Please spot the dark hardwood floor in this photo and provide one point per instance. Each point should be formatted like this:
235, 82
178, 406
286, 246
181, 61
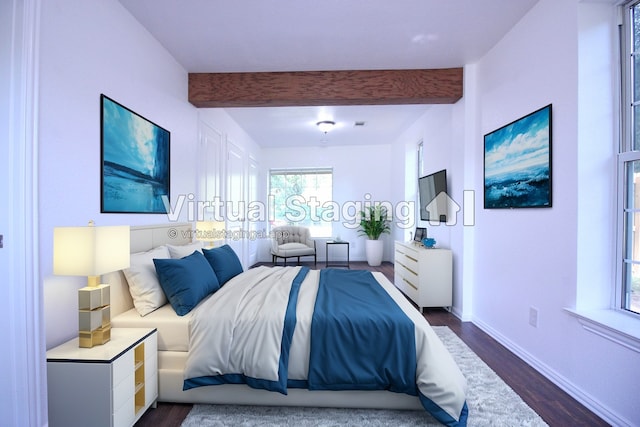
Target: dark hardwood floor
555, 406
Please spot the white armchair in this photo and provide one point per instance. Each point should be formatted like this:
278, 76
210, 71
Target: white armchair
290, 241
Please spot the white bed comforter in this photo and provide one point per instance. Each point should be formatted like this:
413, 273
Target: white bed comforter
238, 332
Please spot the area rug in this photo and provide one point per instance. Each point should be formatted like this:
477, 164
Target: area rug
490, 400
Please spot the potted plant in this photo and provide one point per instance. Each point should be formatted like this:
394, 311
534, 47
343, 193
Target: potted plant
374, 221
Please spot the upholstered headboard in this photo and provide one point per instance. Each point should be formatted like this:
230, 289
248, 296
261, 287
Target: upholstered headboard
144, 238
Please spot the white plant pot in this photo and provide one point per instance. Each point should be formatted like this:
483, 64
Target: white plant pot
373, 250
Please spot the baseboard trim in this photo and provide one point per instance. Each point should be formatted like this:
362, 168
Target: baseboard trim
461, 315
569, 387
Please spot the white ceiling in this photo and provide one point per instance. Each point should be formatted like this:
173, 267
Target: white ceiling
295, 126
313, 35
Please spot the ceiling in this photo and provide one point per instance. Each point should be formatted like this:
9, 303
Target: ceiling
312, 35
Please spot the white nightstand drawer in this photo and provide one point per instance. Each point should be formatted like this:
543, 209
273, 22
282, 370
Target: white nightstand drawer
125, 416
123, 368
123, 392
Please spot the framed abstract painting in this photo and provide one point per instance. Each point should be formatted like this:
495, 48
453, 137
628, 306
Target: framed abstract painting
134, 161
517, 163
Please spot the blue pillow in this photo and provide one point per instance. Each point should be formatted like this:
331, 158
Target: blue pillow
186, 281
224, 261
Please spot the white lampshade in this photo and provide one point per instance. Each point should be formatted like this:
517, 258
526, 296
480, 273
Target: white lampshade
90, 251
210, 231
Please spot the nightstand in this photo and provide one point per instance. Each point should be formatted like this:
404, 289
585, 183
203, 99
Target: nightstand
108, 385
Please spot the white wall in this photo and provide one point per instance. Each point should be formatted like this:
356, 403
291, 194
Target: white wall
530, 257
358, 170
89, 48
442, 130
467, 191
434, 129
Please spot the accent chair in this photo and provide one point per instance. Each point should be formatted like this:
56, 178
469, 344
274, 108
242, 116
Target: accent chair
291, 241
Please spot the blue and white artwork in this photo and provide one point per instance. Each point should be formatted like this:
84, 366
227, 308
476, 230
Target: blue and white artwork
135, 161
517, 163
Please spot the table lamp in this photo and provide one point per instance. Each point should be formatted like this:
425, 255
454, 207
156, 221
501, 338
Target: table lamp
210, 231
91, 251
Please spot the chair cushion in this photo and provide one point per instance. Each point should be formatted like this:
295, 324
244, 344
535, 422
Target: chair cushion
294, 249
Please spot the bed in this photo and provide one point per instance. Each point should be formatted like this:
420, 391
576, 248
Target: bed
444, 385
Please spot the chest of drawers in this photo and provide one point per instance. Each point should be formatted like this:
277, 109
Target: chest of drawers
424, 275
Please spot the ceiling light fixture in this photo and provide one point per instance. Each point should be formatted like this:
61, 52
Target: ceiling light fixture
326, 125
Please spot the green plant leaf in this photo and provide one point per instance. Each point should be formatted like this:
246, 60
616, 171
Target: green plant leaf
374, 221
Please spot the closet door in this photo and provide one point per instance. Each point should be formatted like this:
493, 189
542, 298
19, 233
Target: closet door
236, 202
253, 224
210, 170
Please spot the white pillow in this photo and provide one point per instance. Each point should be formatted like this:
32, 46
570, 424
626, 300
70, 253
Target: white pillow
184, 250
144, 286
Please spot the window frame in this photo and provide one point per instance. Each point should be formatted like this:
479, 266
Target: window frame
627, 154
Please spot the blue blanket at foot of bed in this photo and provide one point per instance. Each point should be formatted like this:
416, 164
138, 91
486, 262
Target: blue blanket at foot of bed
360, 338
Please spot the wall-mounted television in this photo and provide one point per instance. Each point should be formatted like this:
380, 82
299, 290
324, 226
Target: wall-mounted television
433, 206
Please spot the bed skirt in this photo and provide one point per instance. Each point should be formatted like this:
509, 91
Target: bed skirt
171, 379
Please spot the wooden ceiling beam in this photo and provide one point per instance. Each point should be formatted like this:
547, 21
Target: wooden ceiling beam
316, 88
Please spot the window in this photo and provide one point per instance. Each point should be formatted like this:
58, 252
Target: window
628, 295
302, 197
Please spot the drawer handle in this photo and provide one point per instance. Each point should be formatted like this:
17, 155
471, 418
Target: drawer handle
407, 268
410, 284
412, 258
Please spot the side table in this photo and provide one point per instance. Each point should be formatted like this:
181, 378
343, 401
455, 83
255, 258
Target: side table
336, 263
107, 385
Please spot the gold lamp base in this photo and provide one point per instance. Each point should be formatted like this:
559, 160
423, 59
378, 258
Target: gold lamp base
88, 339
94, 315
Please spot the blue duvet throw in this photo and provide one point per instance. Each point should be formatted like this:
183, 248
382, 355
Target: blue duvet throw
373, 345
